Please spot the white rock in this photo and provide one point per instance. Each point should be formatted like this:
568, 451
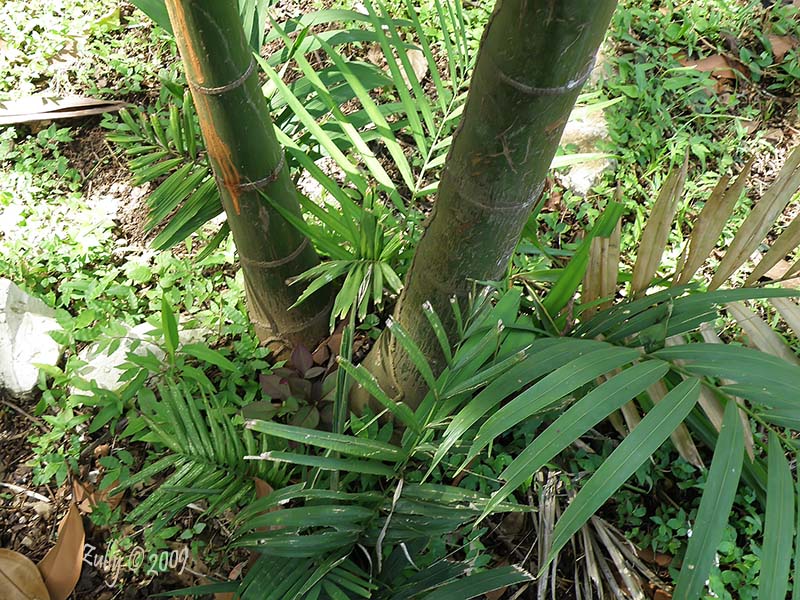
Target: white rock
601, 70
586, 130
104, 368
25, 323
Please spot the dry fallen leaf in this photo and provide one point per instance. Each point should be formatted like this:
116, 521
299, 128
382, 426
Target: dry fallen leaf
87, 497
375, 55
235, 573
19, 578
102, 450
781, 44
46, 108
419, 64
656, 558
779, 271
263, 489
61, 566
750, 127
716, 64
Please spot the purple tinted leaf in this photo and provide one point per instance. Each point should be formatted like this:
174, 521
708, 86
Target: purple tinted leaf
260, 410
316, 392
274, 387
284, 373
314, 372
300, 388
307, 416
302, 359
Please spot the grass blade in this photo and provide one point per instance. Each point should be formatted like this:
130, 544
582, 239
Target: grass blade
169, 325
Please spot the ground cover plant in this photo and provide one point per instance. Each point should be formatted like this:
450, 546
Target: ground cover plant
537, 398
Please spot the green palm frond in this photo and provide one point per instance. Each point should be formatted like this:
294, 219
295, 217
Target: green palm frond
365, 243
204, 458
466, 411
409, 57
340, 536
253, 13
165, 147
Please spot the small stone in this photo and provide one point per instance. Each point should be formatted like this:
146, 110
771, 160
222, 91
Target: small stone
586, 131
43, 509
27, 542
104, 368
102, 450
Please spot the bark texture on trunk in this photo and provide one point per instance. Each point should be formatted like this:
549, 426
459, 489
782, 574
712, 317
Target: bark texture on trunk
534, 58
247, 160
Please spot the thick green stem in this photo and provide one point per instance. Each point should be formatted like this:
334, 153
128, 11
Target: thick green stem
534, 58
248, 161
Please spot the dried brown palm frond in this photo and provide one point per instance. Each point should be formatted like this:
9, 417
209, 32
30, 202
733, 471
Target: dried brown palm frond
602, 274
604, 563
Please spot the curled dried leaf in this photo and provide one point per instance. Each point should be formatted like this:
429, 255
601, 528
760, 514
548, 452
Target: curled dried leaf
61, 566
19, 578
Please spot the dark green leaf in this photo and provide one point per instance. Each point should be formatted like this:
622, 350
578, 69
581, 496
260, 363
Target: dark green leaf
715, 506
776, 553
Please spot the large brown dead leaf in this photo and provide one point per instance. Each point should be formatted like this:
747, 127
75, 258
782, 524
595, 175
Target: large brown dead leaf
19, 578
718, 65
781, 44
61, 566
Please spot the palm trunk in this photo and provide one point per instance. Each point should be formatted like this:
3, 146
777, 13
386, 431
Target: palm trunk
534, 58
247, 161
